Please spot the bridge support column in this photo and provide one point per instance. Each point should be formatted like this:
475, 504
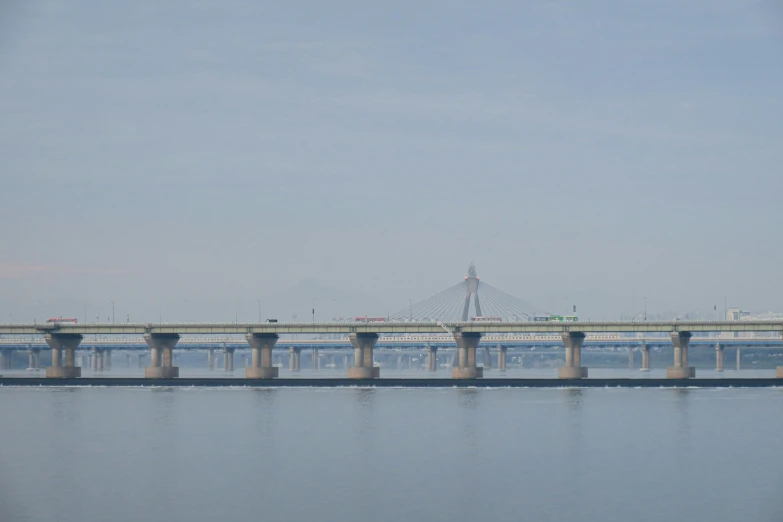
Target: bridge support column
94, 359
107, 359
432, 358
316, 360
645, 358
261, 345
630, 358
161, 356
295, 355
467, 342
100, 359
37, 359
718, 357
502, 355
228, 358
778, 370
210, 358
63, 344
128, 360
680, 370
572, 341
141, 360
487, 359
363, 344
30, 359
5, 359
739, 357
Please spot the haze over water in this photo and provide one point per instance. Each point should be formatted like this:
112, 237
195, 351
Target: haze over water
131, 454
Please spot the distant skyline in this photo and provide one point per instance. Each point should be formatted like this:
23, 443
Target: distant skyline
186, 159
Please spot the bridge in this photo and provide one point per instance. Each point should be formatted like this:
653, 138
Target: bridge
460, 316
462, 337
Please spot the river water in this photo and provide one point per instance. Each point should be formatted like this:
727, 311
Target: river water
358, 454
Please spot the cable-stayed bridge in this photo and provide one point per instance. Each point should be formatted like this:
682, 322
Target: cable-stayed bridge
470, 299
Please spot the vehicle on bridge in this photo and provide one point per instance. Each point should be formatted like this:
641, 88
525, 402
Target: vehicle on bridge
72, 320
563, 318
365, 319
487, 319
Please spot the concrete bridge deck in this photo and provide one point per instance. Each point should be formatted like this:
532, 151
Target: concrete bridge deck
480, 327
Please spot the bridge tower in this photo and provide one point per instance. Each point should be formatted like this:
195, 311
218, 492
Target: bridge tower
471, 289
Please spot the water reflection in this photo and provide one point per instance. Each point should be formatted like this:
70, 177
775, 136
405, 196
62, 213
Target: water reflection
574, 423
682, 400
468, 398
574, 399
365, 402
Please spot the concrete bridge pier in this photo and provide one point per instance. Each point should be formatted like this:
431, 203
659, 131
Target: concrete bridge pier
161, 356
63, 345
630, 358
5, 359
432, 358
141, 360
645, 358
718, 357
467, 342
128, 360
316, 360
573, 369
680, 370
228, 358
502, 356
94, 360
107, 359
261, 345
101, 354
34, 359
210, 358
363, 344
295, 359
739, 357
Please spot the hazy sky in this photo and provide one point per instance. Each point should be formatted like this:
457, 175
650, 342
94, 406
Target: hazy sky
178, 156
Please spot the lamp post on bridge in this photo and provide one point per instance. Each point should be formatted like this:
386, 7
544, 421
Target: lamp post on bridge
313, 310
112, 312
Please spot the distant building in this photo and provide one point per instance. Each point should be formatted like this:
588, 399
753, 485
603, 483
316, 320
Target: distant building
738, 314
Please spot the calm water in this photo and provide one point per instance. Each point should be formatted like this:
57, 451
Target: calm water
122, 454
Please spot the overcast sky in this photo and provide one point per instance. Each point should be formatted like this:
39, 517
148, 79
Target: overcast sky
186, 158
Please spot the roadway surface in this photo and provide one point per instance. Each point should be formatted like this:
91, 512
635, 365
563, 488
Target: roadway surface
390, 327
